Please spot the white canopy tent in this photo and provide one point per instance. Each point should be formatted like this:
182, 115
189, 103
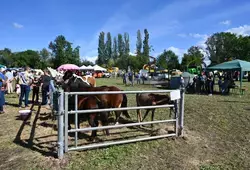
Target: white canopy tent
83, 67
98, 68
89, 67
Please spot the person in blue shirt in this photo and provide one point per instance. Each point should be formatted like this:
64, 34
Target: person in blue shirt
2, 91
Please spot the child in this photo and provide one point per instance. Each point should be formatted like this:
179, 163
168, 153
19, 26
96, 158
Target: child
36, 86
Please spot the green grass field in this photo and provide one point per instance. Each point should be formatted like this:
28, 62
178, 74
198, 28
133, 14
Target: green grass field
216, 137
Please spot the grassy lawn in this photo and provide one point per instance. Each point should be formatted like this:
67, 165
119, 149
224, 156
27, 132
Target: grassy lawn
216, 137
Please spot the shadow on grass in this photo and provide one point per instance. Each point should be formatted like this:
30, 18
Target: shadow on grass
30, 142
233, 101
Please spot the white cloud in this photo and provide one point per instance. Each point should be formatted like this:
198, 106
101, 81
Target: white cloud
226, 22
16, 25
92, 59
159, 23
197, 35
241, 30
178, 51
182, 35
193, 35
133, 54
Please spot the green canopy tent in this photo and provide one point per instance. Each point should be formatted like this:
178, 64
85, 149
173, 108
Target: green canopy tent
237, 65
2, 66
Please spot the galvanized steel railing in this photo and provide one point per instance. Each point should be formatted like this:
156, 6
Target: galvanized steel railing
63, 113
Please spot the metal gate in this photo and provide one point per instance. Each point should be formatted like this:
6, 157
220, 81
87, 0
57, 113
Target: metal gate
63, 113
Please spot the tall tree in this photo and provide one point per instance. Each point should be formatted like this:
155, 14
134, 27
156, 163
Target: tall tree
108, 47
6, 57
126, 44
138, 43
59, 47
115, 50
27, 58
146, 47
76, 56
168, 59
101, 49
120, 45
222, 47
44, 55
194, 57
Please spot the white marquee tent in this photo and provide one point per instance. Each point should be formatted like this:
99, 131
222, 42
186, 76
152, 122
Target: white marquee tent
98, 68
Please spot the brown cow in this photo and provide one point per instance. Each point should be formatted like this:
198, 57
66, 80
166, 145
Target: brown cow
150, 99
90, 79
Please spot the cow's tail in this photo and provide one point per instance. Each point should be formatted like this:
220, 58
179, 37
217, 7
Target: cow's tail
125, 104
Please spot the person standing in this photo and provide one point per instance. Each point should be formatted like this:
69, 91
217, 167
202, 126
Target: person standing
36, 86
24, 81
138, 78
45, 82
2, 91
10, 77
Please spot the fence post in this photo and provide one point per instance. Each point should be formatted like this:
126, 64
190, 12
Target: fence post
181, 112
60, 140
176, 112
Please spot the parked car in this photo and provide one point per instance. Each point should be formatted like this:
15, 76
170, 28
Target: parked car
106, 75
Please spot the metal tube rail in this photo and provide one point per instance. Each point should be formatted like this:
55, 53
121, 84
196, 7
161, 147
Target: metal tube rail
118, 92
66, 119
76, 119
120, 109
121, 125
91, 146
60, 141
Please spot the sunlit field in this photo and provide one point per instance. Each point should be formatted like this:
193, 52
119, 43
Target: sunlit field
216, 137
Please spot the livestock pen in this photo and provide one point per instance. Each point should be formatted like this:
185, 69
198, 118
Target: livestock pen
63, 112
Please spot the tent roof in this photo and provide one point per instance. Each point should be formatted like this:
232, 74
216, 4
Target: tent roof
232, 65
185, 74
98, 68
83, 66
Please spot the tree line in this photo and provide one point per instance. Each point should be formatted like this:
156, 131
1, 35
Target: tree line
60, 51
115, 51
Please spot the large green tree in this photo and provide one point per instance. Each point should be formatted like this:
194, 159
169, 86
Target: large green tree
168, 60
76, 56
222, 47
121, 47
115, 50
6, 57
108, 47
138, 43
27, 58
146, 47
44, 55
126, 44
60, 48
101, 49
194, 57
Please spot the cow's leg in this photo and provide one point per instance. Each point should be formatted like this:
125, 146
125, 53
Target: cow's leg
93, 122
152, 117
104, 119
117, 115
139, 119
146, 114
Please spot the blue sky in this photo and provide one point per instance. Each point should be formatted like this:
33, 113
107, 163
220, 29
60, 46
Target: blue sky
172, 24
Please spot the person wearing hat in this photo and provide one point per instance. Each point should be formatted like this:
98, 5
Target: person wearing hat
24, 81
2, 91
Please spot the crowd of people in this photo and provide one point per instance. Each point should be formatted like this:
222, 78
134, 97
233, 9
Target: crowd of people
22, 83
131, 77
205, 82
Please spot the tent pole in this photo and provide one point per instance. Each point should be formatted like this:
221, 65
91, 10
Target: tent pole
241, 76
